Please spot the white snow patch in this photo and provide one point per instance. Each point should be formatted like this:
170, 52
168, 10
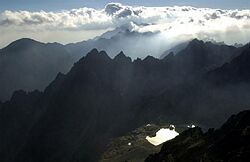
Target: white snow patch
191, 126
162, 136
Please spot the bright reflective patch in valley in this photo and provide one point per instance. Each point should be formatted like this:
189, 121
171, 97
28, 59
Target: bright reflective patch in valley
162, 136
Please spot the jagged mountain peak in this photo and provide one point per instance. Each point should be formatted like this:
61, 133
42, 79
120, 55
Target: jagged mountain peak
150, 59
137, 61
122, 57
196, 40
121, 54
104, 55
18, 94
93, 52
195, 43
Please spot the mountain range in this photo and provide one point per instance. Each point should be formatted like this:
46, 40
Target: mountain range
103, 97
35, 64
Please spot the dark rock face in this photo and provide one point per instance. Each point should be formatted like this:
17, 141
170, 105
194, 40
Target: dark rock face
204, 56
101, 98
18, 116
235, 71
231, 142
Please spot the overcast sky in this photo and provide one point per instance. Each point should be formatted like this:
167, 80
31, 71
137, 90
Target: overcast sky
76, 20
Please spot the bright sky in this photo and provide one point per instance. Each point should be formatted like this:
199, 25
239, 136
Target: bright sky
77, 20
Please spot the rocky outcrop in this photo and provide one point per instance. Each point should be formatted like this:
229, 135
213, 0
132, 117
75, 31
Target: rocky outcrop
231, 143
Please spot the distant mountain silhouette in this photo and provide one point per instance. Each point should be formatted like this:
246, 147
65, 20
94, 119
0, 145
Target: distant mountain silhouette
228, 143
131, 42
101, 98
35, 64
38, 63
29, 65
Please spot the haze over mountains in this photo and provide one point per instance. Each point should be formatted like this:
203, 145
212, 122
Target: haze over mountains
103, 97
35, 64
123, 38
29, 65
116, 74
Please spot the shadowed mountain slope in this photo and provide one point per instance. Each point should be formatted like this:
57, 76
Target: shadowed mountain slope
101, 98
35, 64
27, 64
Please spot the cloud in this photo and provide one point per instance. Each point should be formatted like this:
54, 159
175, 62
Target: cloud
112, 8
83, 18
168, 20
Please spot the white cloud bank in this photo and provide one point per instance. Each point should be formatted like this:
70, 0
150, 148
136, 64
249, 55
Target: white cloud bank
221, 25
